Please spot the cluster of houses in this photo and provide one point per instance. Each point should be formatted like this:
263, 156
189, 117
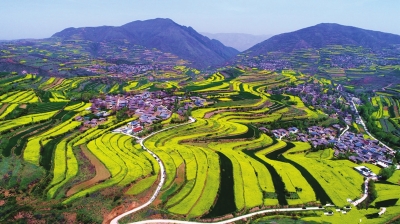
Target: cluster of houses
124, 70
316, 135
132, 128
281, 133
365, 150
362, 150
146, 101
138, 61
313, 94
334, 103
277, 61
148, 106
91, 123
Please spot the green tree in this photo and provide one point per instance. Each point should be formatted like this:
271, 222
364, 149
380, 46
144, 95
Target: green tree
372, 193
386, 173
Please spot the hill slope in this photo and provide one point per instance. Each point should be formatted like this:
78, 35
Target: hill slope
163, 34
325, 34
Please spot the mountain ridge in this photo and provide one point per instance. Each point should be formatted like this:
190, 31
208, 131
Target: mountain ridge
324, 34
163, 34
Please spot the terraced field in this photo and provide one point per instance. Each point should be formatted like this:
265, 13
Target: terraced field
19, 97
219, 132
219, 165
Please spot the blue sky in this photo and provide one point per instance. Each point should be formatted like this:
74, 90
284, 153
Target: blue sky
42, 18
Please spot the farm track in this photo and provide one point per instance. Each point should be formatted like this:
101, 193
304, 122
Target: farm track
212, 113
162, 170
101, 173
3, 108
179, 181
233, 219
53, 84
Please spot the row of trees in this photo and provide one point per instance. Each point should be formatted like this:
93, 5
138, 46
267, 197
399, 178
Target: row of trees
372, 195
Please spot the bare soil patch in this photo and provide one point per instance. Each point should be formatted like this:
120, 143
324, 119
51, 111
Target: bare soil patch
23, 106
3, 108
101, 173
132, 202
210, 114
55, 83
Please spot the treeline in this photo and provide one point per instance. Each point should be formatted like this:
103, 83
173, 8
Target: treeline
372, 195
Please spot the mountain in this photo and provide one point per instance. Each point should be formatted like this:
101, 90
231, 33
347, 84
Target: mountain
163, 34
239, 41
325, 34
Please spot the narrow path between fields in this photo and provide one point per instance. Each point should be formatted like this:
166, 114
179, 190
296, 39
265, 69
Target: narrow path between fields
233, 219
365, 195
55, 83
141, 141
3, 108
355, 203
162, 172
102, 173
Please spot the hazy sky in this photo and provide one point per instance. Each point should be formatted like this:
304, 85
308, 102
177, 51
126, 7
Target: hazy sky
42, 18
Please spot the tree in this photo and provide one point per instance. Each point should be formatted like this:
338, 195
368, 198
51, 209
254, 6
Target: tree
397, 155
122, 115
372, 193
386, 173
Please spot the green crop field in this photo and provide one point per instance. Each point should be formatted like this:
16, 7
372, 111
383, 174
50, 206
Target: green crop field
9, 124
328, 172
222, 165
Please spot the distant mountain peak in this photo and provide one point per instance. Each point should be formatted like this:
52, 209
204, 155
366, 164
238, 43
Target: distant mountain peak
239, 41
324, 34
162, 34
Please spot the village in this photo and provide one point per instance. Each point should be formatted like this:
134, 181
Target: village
339, 105
338, 58
149, 107
361, 150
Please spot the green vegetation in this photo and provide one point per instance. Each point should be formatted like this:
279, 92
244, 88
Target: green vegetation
386, 173
221, 164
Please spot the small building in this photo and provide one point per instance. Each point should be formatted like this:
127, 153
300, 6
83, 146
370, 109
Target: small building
293, 130
137, 129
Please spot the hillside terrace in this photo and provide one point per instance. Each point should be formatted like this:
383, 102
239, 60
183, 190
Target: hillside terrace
314, 95
127, 70
332, 102
72, 57
327, 58
336, 105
